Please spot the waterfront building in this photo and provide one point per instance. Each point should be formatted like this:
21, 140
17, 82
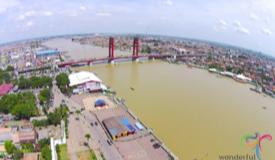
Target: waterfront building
48, 52
242, 78
85, 82
214, 70
118, 127
227, 73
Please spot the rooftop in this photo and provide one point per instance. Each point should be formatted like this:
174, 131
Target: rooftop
47, 52
82, 77
5, 88
118, 125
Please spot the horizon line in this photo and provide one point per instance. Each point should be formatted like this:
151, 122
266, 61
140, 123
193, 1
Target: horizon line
221, 44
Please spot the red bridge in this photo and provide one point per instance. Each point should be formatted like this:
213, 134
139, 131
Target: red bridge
111, 57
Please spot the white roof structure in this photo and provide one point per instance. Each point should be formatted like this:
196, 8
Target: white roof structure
82, 77
213, 70
226, 73
242, 77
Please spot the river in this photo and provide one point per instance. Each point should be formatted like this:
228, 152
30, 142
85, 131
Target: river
198, 115
76, 51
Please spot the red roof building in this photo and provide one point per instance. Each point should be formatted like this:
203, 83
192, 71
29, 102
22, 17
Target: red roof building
5, 88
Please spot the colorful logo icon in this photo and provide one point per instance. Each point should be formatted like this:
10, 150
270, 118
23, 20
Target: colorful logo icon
255, 142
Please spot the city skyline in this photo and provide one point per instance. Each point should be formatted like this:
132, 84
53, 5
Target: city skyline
248, 24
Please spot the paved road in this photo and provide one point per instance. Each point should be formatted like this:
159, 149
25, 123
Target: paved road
110, 152
58, 96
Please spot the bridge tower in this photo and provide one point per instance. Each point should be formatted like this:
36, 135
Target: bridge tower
111, 48
136, 47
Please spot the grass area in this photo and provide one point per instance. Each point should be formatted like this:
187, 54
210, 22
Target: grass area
14, 123
62, 152
87, 155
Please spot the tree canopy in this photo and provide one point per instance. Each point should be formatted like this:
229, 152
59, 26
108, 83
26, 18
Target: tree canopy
44, 96
60, 113
46, 153
34, 82
5, 77
9, 147
21, 105
10, 68
62, 82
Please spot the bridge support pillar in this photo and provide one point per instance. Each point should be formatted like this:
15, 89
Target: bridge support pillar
135, 48
111, 49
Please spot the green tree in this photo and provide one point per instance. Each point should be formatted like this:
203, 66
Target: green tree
22, 105
54, 119
40, 123
44, 142
60, 113
5, 77
27, 147
24, 111
62, 82
44, 96
9, 147
17, 154
10, 68
7, 102
229, 68
34, 82
24, 83
87, 136
46, 153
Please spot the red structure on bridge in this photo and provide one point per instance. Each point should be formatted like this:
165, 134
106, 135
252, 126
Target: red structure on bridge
111, 48
136, 47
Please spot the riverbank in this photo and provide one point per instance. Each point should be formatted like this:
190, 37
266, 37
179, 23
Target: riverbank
143, 144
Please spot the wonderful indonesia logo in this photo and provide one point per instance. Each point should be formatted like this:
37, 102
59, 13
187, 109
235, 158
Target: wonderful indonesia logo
255, 142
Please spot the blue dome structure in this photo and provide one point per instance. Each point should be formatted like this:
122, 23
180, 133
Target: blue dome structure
100, 103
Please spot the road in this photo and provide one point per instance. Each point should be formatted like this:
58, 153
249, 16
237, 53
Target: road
99, 136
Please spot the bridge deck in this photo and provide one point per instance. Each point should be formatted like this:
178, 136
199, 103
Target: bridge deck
94, 60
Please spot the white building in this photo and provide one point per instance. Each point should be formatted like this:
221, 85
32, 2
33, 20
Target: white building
242, 78
85, 82
229, 74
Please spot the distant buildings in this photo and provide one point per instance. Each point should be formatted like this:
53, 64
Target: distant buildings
49, 52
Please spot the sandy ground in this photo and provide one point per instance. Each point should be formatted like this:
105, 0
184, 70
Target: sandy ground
89, 102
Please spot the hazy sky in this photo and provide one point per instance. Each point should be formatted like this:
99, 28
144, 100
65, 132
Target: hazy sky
246, 23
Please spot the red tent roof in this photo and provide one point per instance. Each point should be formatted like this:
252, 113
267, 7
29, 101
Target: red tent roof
5, 88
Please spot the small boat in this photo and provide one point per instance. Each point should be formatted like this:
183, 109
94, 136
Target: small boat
132, 88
